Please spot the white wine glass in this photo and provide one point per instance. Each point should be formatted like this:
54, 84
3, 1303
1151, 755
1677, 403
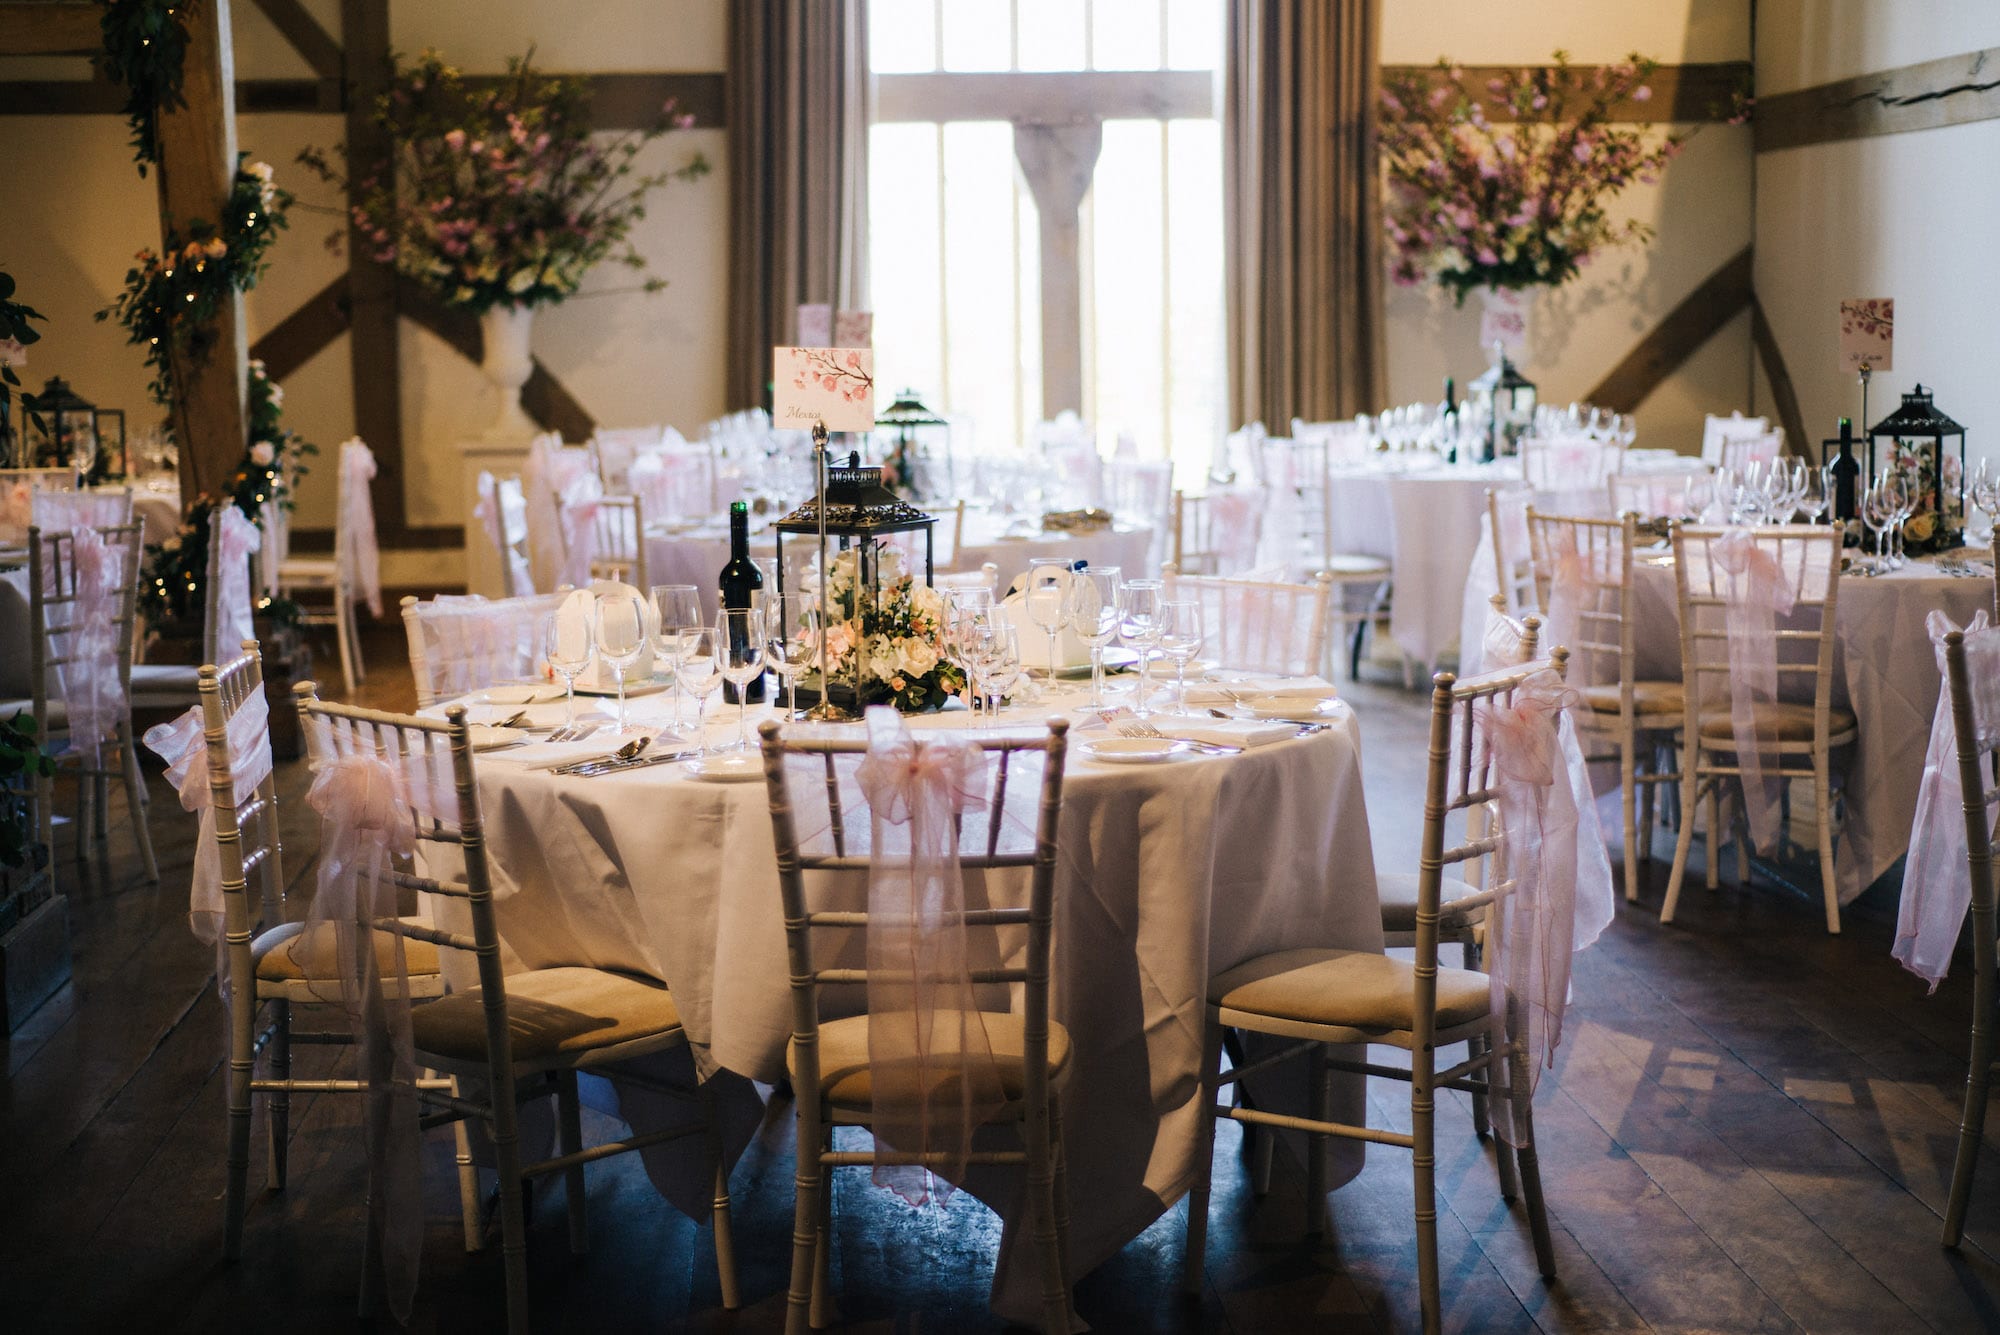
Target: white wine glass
1046, 596
620, 634
679, 609
791, 639
700, 672
1096, 603
740, 650
1181, 637
1139, 627
567, 646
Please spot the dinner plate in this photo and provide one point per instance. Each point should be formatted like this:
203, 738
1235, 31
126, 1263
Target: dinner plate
525, 693
1298, 707
1134, 750
729, 767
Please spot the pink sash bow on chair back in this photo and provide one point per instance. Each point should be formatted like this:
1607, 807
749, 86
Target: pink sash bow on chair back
17, 509
1937, 887
935, 1077
183, 744
1756, 594
92, 693
1554, 852
357, 524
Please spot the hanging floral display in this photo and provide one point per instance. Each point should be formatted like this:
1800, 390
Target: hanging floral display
496, 193
172, 300
145, 51
176, 570
1510, 184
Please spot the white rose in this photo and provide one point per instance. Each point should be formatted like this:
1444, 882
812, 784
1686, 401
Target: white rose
262, 454
918, 657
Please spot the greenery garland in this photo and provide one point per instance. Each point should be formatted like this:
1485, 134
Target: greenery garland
170, 584
14, 326
172, 301
23, 763
145, 49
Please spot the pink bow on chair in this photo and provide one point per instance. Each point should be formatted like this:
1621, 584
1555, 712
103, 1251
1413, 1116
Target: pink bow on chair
367, 805
1561, 895
580, 504
91, 690
1757, 595
1937, 886
183, 744
935, 1076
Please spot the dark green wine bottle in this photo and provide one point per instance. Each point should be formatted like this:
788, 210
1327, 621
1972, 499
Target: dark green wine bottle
740, 581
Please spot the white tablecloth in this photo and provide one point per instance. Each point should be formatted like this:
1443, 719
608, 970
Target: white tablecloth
1126, 544
1168, 874
696, 558
1883, 669
157, 507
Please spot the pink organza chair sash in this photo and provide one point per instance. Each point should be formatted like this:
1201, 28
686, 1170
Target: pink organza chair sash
1233, 528
674, 485
1561, 897
578, 516
1937, 880
936, 1081
357, 524
183, 744
550, 470
237, 539
90, 684
471, 643
63, 510
1755, 595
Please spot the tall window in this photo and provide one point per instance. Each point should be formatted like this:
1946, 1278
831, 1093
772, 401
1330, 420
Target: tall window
1045, 215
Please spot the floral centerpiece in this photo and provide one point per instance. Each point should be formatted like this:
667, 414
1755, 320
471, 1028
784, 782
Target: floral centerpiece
176, 569
495, 192
1509, 185
1915, 465
900, 631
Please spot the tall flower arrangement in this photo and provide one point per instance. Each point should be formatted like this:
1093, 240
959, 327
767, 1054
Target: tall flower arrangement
496, 193
1509, 184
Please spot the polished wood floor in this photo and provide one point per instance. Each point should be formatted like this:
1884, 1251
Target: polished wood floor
1751, 1129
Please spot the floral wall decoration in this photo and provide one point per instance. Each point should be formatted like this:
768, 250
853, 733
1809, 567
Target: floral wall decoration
172, 299
497, 193
1509, 184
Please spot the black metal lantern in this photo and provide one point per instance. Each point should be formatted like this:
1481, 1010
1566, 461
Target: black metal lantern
908, 460
60, 428
860, 512
1507, 400
1916, 441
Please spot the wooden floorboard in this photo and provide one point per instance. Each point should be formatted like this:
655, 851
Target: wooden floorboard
1750, 1128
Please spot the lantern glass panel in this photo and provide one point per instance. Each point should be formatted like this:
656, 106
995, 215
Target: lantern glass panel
1924, 450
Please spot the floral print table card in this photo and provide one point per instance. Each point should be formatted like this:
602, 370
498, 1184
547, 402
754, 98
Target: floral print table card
831, 385
1867, 333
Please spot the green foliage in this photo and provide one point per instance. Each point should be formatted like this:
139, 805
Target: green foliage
145, 49
14, 318
22, 763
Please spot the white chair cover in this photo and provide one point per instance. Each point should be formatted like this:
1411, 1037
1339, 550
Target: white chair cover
100, 574
1716, 430
357, 525
503, 512
576, 514
236, 538
547, 474
471, 643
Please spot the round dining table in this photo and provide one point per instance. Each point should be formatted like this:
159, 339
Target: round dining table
1166, 874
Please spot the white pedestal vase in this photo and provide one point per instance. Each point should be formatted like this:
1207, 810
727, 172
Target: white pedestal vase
1503, 319
508, 362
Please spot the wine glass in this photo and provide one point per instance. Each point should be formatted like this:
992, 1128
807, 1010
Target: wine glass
1814, 493
1984, 489
1894, 506
679, 608
739, 650
566, 645
620, 633
1000, 668
791, 640
1095, 605
1139, 625
1181, 636
1876, 511
700, 672
1046, 594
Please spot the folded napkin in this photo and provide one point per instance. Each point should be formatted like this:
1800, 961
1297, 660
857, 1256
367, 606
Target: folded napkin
1228, 692
1222, 731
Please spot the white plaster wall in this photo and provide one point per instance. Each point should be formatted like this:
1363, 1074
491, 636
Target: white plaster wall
1701, 208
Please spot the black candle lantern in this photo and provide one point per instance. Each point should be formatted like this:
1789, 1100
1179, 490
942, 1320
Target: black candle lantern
1916, 443
860, 512
912, 430
60, 428
1506, 398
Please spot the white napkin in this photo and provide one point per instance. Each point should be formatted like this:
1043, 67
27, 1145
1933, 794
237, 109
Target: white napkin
1228, 692
1222, 731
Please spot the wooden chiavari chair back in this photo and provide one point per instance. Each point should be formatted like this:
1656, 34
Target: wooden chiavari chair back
1259, 625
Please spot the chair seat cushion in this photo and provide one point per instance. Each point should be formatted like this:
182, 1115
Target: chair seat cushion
1398, 892
1778, 721
550, 1012
848, 1080
293, 952
1352, 989
1648, 697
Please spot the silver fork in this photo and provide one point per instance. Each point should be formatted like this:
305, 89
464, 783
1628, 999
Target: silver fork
1138, 727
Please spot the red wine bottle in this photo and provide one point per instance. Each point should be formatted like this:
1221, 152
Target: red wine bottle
739, 582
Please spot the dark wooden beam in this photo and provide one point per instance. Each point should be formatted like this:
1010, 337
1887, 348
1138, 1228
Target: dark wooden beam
302, 30
197, 166
1783, 395
619, 101
1951, 91
320, 97
374, 362
1680, 92
300, 336
553, 407
1699, 317
51, 30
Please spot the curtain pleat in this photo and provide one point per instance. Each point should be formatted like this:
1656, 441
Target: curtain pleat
798, 165
1302, 210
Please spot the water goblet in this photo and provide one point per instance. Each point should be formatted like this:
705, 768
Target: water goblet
566, 645
1046, 593
1181, 636
1096, 605
740, 652
1139, 627
791, 638
700, 672
1001, 668
1814, 494
679, 609
620, 634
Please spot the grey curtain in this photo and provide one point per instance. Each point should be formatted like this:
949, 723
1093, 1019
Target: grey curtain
1302, 210
798, 173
